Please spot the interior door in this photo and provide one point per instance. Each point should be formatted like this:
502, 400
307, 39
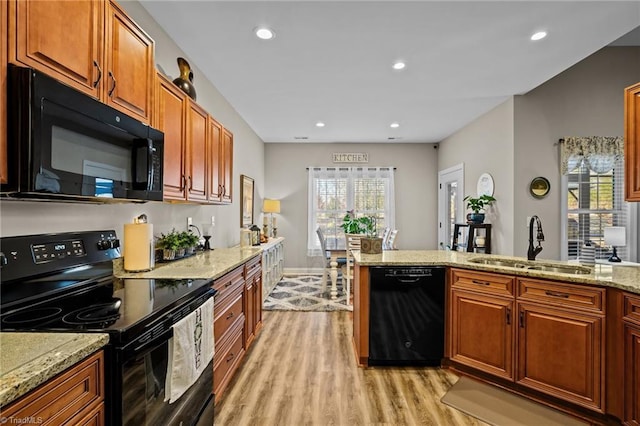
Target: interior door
450, 205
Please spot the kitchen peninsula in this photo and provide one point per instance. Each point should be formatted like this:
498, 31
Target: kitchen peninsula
551, 331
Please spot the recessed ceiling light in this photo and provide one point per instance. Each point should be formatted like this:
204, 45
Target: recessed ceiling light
399, 65
394, 125
264, 33
539, 35
319, 124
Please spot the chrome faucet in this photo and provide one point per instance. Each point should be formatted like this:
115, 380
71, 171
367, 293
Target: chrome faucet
533, 252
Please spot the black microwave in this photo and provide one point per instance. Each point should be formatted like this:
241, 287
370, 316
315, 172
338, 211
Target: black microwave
63, 144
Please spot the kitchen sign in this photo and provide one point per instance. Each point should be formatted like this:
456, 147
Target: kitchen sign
350, 157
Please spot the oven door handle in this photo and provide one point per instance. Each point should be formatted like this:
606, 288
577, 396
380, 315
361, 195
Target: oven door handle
134, 348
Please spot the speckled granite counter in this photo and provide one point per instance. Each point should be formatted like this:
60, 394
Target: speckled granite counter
29, 359
207, 265
626, 278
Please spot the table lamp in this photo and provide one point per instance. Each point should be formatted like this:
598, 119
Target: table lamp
271, 207
615, 236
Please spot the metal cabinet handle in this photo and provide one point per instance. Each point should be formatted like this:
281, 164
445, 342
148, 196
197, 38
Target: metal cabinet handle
508, 316
230, 357
95, 83
230, 316
114, 83
190, 183
228, 284
521, 319
480, 282
556, 294
183, 184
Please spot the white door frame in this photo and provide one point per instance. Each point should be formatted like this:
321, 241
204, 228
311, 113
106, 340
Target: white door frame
445, 177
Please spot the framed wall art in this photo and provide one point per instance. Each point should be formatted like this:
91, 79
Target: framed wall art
246, 195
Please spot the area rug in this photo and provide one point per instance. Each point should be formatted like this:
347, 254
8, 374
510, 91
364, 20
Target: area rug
501, 408
304, 293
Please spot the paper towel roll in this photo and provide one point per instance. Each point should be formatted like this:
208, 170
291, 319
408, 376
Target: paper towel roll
138, 247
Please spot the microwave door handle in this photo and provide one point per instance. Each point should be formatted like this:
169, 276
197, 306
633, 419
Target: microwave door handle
150, 168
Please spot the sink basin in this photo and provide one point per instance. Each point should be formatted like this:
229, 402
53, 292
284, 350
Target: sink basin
532, 265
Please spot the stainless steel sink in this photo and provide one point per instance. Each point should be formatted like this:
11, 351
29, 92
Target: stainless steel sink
532, 265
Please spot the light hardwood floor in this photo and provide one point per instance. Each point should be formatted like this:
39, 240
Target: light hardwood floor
302, 371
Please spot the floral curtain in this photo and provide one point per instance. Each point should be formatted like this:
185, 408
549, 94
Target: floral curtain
599, 153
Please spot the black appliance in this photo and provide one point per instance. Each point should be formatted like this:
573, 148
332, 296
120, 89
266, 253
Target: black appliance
406, 317
64, 283
69, 146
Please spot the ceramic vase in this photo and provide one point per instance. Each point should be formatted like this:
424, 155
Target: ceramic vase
185, 81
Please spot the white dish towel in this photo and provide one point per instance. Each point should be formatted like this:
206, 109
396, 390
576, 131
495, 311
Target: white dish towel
190, 350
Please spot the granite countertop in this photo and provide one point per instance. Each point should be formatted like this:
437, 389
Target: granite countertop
624, 277
29, 359
209, 264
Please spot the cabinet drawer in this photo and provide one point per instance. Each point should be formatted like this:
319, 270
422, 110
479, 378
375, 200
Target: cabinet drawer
226, 360
68, 397
632, 308
223, 320
483, 282
254, 266
567, 295
228, 284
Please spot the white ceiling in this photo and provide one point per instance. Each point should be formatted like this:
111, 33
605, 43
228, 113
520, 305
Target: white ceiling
331, 60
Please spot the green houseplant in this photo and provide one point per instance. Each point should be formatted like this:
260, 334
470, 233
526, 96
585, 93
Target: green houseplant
475, 204
170, 243
370, 243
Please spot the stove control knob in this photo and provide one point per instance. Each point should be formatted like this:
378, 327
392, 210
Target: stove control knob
104, 245
115, 243
3, 259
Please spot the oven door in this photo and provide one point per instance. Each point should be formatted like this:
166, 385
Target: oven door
141, 398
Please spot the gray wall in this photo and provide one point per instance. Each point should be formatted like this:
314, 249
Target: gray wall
486, 146
19, 217
585, 100
517, 141
416, 182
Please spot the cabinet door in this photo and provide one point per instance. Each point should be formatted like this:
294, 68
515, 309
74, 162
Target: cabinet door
4, 167
196, 153
561, 354
250, 312
482, 332
130, 68
257, 300
227, 166
215, 149
63, 39
632, 376
170, 119
632, 142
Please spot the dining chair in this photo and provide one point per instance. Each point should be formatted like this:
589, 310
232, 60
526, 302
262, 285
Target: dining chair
352, 243
327, 269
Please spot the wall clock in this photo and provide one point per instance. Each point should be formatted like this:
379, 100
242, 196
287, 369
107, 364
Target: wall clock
539, 187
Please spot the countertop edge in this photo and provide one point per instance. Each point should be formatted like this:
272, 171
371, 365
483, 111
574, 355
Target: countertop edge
21, 380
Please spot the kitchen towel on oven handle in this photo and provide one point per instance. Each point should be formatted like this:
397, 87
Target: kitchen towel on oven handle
190, 350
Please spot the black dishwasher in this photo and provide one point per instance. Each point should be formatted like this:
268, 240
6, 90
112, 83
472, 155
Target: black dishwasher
406, 318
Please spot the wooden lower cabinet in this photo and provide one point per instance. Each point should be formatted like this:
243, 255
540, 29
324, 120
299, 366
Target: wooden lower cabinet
632, 374
74, 397
237, 316
561, 353
483, 332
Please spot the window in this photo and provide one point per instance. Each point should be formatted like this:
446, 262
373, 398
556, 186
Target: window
593, 194
334, 191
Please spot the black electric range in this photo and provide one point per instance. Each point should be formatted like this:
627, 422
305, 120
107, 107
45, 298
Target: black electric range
65, 283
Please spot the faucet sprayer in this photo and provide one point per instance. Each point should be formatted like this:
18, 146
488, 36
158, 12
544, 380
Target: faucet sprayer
533, 252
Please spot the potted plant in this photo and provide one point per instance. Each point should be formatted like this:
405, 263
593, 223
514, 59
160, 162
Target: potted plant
189, 241
370, 243
170, 243
475, 205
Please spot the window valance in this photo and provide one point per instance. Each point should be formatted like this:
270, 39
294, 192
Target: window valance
599, 153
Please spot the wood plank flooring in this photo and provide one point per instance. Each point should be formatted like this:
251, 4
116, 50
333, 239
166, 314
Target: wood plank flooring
302, 371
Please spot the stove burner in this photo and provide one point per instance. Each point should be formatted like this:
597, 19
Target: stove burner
32, 317
103, 314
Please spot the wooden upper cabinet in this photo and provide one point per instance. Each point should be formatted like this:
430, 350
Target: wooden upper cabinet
92, 46
215, 150
632, 142
170, 118
130, 72
4, 166
197, 123
226, 168
61, 38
